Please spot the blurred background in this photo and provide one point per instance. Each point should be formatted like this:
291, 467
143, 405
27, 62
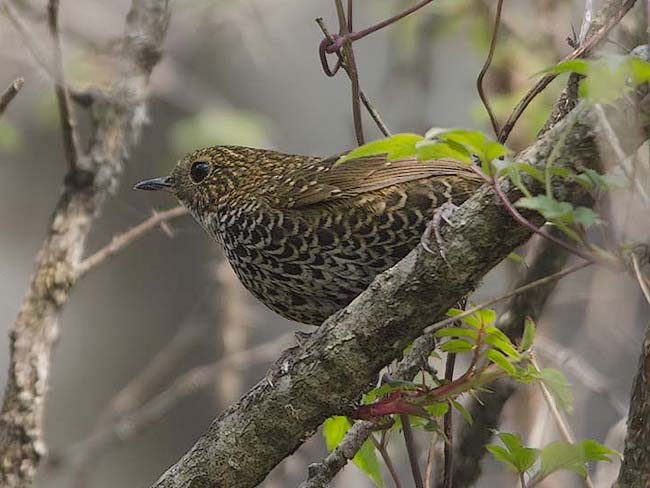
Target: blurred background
164, 312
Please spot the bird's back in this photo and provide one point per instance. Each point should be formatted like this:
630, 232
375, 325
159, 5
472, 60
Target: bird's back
316, 234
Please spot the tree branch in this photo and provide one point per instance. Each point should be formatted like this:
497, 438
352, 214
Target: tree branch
68, 125
326, 374
117, 120
10, 92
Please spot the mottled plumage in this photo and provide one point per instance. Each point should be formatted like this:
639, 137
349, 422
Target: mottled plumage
304, 235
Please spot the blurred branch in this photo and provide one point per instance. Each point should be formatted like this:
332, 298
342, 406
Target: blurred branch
609, 15
326, 374
134, 421
116, 122
321, 474
121, 241
68, 125
8, 95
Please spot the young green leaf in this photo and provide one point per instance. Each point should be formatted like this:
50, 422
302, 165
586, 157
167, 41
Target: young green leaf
528, 336
572, 457
456, 332
559, 388
457, 345
394, 147
463, 411
501, 360
515, 456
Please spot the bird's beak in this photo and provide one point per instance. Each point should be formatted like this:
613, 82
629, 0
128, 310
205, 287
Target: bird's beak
154, 184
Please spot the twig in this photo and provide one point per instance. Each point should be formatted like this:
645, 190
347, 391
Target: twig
366, 102
428, 472
563, 427
448, 471
68, 125
381, 447
533, 284
321, 474
593, 38
120, 241
348, 57
486, 66
137, 420
9, 94
411, 450
31, 43
586, 20
355, 36
640, 278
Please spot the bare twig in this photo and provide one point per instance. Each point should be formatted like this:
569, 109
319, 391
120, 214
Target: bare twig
8, 95
610, 20
366, 102
383, 452
30, 41
68, 124
348, 57
411, 450
563, 426
522, 289
448, 428
355, 36
486, 66
643, 284
120, 241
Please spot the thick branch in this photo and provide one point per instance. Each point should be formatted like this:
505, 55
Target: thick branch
326, 374
636, 456
117, 119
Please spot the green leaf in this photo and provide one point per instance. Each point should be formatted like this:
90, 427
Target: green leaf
586, 217
334, 429
472, 142
456, 332
501, 360
549, 207
442, 150
517, 457
471, 320
496, 338
463, 411
437, 409
579, 66
394, 147
528, 337
457, 345
572, 457
558, 385
486, 316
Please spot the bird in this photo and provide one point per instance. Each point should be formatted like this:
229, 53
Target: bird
307, 235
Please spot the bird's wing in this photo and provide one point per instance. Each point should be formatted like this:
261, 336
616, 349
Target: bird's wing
322, 181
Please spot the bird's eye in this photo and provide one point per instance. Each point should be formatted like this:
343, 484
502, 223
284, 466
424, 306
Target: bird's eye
199, 170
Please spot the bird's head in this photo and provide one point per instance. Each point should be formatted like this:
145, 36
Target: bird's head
205, 179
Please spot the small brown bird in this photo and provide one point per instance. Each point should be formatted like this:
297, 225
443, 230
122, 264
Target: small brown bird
304, 235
